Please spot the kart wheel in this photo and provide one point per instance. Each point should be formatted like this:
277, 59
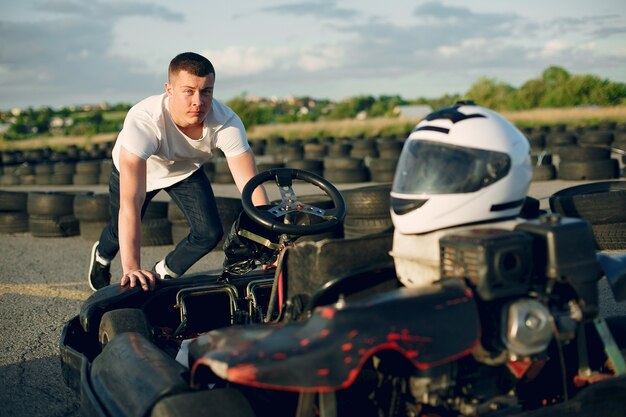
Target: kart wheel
226, 402
120, 321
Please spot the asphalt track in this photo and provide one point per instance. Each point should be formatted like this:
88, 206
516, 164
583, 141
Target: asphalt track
42, 285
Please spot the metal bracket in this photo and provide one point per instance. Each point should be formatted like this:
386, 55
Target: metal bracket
610, 347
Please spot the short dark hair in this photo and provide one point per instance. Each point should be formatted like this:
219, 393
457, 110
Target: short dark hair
192, 63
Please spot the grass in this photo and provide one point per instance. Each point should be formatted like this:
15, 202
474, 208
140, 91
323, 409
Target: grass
583, 116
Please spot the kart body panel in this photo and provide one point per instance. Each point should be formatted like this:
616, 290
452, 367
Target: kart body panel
327, 351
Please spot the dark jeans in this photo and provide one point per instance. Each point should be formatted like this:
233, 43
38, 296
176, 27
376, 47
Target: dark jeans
194, 196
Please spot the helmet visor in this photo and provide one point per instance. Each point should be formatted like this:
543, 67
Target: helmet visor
427, 167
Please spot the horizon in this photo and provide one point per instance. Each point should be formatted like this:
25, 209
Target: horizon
62, 53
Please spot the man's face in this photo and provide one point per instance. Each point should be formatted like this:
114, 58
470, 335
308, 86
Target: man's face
190, 97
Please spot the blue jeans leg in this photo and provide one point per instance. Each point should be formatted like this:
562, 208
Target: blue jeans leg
194, 196
109, 245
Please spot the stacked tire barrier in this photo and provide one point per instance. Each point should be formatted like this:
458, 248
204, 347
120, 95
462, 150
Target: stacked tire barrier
51, 214
156, 229
13, 215
367, 211
603, 204
227, 207
92, 212
578, 154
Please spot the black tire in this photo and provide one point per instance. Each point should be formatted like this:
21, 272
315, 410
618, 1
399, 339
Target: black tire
582, 153
221, 402
377, 175
174, 213
312, 165
91, 168
314, 150
156, 210
390, 154
13, 200
599, 203
62, 179
367, 202
610, 236
345, 176
588, 170
9, 179
544, 172
64, 169
339, 150
123, 320
179, 231
363, 152
92, 207
62, 226
343, 163
91, 230
557, 139
51, 204
358, 227
541, 159
383, 164
156, 232
85, 179
221, 167
13, 222
44, 169
219, 178
537, 141
43, 179
597, 137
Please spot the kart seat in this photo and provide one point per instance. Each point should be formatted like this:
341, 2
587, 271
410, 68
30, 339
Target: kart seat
321, 272
132, 374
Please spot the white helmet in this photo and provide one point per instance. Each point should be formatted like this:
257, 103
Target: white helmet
460, 165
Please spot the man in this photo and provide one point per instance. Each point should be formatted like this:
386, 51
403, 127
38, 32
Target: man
164, 142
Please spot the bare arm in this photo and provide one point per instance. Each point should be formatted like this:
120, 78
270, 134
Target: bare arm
132, 197
243, 168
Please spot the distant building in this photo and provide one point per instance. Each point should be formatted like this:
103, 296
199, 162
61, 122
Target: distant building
416, 111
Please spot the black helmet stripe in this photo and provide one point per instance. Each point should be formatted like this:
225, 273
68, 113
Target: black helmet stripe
507, 206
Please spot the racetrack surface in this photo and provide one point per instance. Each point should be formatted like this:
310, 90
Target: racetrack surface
43, 284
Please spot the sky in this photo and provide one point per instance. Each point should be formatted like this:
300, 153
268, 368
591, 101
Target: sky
70, 52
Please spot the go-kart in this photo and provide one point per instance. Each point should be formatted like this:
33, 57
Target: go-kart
510, 328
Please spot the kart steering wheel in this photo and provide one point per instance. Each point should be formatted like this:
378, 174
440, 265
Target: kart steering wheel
273, 218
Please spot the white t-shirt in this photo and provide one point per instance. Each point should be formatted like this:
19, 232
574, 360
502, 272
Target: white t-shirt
170, 155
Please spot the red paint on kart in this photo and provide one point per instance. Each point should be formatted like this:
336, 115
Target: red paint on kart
243, 372
328, 312
343, 340
406, 337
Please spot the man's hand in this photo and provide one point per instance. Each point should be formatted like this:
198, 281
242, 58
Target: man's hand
143, 277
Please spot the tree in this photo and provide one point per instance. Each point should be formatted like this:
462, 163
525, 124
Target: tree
530, 94
489, 92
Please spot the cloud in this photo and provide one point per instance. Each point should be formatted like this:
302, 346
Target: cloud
321, 9
235, 61
554, 48
65, 58
109, 10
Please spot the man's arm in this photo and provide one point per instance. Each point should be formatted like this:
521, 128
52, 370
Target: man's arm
243, 168
132, 197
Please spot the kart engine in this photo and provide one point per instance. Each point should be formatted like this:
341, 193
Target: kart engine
533, 286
